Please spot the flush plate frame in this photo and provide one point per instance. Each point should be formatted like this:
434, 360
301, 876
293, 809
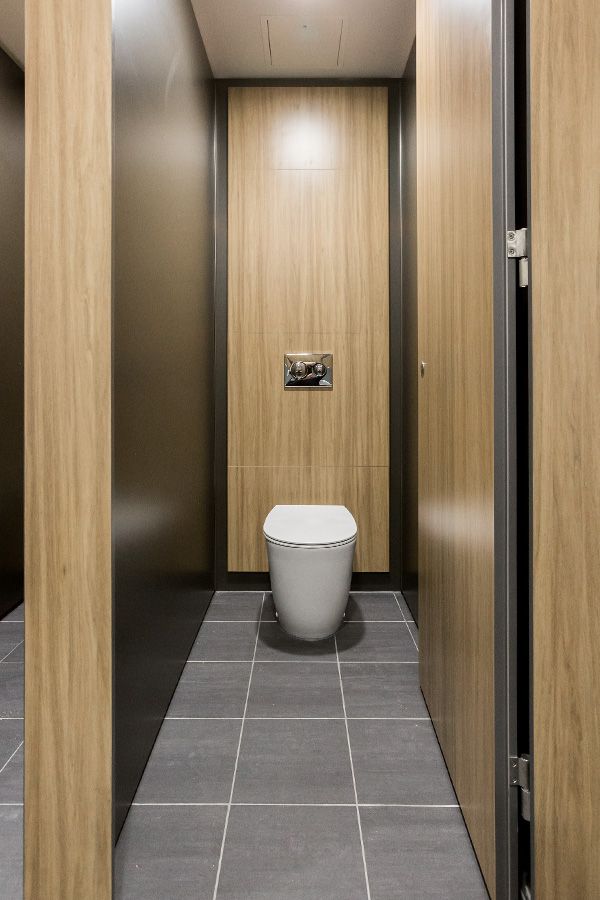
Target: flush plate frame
292, 384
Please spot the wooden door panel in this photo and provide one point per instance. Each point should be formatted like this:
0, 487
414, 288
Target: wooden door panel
456, 415
565, 231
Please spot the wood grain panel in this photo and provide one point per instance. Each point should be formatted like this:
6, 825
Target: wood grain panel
348, 426
68, 688
308, 210
253, 491
308, 270
456, 421
565, 229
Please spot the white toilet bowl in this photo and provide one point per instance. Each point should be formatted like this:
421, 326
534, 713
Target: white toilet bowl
310, 550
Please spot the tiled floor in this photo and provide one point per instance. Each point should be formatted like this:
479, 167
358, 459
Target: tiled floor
294, 771
11, 754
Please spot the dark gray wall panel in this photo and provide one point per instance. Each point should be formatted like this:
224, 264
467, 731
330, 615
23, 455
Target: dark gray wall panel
163, 508
410, 423
12, 210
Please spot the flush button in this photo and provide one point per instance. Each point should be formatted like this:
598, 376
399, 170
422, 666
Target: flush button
308, 371
298, 370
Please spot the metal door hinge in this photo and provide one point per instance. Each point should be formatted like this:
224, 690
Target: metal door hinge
520, 776
517, 248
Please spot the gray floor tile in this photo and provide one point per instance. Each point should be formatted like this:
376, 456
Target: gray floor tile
404, 607
375, 642
17, 614
398, 762
284, 761
11, 842
11, 761
274, 643
192, 762
268, 613
414, 631
292, 853
11, 776
225, 641
168, 852
11, 635
383, 690
295, 689
16, 655
420, 854
230, 606
11, 735
11, 689
370, 607
211, 689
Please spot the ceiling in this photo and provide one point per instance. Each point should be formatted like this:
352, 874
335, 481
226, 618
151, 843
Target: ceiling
307, 38
283, 38
12, 29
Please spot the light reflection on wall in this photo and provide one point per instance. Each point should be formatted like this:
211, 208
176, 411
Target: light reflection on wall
467, 524
305, 142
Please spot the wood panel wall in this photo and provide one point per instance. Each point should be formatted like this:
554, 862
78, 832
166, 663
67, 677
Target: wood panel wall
308, 270
68, 679
565, 231
456, 416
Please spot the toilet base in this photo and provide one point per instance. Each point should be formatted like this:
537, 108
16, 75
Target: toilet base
310, 588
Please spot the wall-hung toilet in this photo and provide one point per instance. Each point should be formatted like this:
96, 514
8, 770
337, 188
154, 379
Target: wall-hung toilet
310, 550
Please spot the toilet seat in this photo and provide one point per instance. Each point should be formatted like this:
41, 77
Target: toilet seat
310, 527
309, 546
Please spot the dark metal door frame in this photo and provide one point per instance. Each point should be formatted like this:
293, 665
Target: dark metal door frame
511, 439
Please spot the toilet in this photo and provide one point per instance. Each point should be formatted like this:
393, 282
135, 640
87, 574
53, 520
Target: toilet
310, 550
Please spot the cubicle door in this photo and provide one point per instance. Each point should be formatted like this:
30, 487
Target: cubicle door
456, 400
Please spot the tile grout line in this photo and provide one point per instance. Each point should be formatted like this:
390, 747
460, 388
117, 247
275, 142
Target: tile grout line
360, 832
406, 622
12, 651
399, 607
412, 637
14, 753
306, 659
311, 805
274, 621
237, 757
296, 718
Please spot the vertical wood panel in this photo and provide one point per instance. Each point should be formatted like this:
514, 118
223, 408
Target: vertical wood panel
308, 270
68, 684
456, 483
565, 227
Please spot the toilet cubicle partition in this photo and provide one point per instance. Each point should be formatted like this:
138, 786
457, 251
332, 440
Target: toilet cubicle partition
118, 411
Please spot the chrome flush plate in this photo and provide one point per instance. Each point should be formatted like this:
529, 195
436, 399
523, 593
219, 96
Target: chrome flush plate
308, 371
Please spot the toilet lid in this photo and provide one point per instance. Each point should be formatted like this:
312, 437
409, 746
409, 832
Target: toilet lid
310, 526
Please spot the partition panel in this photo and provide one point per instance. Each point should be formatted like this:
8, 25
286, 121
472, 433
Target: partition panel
565, 265
68, 580
456, 400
